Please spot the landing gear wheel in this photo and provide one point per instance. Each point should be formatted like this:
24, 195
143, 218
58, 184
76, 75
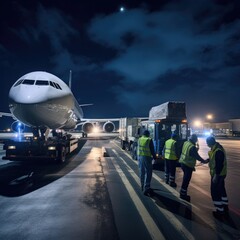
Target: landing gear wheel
84, 135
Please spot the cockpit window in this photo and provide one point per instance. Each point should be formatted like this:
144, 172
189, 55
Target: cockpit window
28, 82
58, 86
42, 82
51, 84
18, 82
55, 85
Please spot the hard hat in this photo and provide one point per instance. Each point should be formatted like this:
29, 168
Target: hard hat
146, 133
193, 138
210, 140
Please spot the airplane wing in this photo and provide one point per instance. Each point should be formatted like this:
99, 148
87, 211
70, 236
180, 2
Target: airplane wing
92, 125
6, 115
99, 119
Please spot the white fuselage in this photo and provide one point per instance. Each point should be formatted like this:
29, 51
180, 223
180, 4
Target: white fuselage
40, 99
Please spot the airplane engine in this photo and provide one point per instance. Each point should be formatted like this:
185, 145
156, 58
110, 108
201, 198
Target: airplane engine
108, 127
87, 127
17, 127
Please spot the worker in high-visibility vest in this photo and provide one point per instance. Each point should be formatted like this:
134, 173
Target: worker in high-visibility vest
188, 159
218, 172
170, 156
145, 154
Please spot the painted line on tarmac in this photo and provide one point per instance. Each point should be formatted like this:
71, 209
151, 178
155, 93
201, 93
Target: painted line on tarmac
235, 210
159, 180
174, 192
147, 219
201, 190
167, 214
170, 189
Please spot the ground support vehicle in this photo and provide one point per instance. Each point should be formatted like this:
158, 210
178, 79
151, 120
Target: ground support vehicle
235, 127
54, 148
164, 120
128, 131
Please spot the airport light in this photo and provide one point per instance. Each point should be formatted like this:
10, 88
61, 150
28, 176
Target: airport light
197, 123
209, 116
96, 129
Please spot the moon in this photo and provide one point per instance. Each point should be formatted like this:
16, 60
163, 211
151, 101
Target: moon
122, 9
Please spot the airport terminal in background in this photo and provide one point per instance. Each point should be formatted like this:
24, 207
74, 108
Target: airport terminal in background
230, 128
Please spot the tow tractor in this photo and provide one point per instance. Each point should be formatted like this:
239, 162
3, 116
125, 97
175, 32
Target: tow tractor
54, 148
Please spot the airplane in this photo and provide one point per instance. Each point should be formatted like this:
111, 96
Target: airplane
43, 101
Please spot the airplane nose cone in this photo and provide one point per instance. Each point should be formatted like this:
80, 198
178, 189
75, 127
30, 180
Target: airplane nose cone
26, 95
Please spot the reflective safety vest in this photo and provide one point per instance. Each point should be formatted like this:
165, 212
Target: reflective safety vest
185, 157
143, 146
169, 152
212, 160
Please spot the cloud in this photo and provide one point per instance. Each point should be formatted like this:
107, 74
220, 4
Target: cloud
6, 58
64, 61
55, 25
186, 47
50, 23
184, 51
53, 30
168, 40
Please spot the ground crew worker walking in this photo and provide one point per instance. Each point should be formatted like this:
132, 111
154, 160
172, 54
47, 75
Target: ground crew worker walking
170, 156
218, 172
145, 155
188, 161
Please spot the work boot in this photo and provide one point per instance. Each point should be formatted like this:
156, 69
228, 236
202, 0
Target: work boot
185, 197
148, 192
173, 184
218, 215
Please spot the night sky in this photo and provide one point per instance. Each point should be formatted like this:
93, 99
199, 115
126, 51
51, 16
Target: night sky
125, 62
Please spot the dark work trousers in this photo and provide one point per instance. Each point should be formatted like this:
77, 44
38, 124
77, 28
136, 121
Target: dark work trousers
170, 170
218, 193
145, 171
187, 175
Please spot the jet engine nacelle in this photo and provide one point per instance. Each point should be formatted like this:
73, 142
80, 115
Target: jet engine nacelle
108, 127
17, 127
87, 127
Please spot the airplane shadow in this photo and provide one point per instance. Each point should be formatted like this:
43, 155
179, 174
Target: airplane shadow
20, 178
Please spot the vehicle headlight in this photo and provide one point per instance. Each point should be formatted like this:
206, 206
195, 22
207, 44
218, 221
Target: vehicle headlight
11, 147
52, 148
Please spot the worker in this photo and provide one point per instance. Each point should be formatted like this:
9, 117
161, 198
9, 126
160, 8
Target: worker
188, 159
218, 172
170, 156
145, 153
